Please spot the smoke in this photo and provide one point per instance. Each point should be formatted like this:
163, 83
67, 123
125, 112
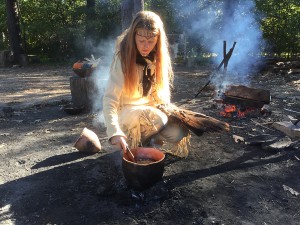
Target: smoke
212, 22
104, 51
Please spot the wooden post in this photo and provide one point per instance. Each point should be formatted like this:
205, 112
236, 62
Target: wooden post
81, 90
224, 56
224, 61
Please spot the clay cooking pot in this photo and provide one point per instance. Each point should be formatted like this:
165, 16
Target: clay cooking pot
146, 171
88, 142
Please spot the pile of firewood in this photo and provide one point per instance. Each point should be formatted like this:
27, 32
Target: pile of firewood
283, 67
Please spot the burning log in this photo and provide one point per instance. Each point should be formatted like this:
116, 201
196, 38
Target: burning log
246, 97
240, 101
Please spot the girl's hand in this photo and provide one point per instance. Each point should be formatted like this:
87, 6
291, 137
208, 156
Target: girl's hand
119, 142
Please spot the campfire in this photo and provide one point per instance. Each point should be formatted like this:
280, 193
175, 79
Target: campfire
235, 111
239, 101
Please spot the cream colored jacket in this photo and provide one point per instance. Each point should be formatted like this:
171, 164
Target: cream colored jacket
117, 105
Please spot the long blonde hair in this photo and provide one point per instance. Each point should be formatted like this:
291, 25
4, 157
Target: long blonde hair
127, 49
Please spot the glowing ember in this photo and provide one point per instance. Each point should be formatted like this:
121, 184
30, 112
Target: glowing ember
234, 111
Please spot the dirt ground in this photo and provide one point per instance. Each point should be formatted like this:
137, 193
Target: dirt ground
45, 180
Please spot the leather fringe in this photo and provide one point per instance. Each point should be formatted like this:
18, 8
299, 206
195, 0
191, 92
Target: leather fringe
180, 149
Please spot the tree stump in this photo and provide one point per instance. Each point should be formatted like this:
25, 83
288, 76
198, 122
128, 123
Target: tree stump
4, 58
82, 90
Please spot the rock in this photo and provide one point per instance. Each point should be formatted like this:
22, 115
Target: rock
288, 128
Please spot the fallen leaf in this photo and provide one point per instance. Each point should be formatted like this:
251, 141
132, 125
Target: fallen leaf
291, 190
237, 139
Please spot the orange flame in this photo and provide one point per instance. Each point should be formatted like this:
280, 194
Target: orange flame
233, 111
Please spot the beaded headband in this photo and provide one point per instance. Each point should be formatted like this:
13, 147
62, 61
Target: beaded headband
146, 33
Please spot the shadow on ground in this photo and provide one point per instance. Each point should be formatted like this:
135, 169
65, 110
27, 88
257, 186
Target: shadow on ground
90, 192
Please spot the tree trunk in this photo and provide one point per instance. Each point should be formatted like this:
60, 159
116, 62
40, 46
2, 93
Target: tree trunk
128, 9
14, 32
90, 27
229, 9
81, 90
137, 6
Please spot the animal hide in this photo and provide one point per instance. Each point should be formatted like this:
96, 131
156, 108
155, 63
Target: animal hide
196, 122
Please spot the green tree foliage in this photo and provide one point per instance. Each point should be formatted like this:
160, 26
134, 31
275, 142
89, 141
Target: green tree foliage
279, 20
166, 11
57, 28
3, 27
52, 27
280, 25
108, 21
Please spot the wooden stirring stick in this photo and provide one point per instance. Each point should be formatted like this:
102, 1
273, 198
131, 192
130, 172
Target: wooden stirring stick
131, 155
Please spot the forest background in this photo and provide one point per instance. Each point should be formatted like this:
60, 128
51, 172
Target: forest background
66, 30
